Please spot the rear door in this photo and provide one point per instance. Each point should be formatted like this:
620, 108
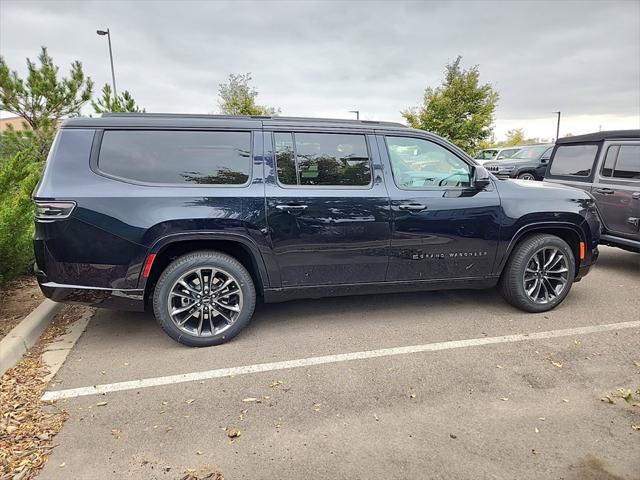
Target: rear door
327, 207
617, 188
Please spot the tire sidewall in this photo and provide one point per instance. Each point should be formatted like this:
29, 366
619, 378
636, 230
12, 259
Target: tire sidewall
189, 262
527, 250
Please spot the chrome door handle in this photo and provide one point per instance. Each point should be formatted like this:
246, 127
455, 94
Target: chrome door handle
636, 195
412, 207
291, 207
605, 191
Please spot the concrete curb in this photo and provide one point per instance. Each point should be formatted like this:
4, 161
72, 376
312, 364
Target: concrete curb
26, 333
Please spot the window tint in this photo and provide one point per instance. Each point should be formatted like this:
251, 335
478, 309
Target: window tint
628, 164
574, 160
419, 163
531, 153
610, 161
507, 153
177, 156
322, 159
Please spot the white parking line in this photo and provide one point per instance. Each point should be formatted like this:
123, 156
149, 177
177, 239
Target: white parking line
342, 357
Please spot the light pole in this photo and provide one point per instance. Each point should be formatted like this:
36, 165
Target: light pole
558, 126
357, 112
113, 75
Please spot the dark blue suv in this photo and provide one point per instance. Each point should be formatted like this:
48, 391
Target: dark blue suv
196, 217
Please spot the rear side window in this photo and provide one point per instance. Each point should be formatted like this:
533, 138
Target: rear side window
628, 162
322, 159
175, 157
574, 160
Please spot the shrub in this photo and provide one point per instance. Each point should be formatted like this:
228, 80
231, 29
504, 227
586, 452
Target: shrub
19, 175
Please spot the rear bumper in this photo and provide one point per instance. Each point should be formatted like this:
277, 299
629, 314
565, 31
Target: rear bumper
123, 299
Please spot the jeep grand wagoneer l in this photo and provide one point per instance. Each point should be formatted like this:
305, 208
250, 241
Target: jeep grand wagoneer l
195, 217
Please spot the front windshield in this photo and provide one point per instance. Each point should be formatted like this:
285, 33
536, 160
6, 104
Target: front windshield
531, 153
486, 154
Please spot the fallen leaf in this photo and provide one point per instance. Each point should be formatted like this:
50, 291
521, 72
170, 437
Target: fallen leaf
453, 436
637, 364
62, 465
250, 399
316, 406
101, 404
266, 397
233, 432
499, 366
277, 384
535, 429
607, 399
565, 400
190, 401
556, 364
377, 419
116, 432
412, 395
541, 418
198, 452
126, 364
504, 399
635, 427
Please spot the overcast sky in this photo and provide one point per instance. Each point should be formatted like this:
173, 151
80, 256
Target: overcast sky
326, 58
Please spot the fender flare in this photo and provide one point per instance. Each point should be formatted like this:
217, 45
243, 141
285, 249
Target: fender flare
244, 240
526, 229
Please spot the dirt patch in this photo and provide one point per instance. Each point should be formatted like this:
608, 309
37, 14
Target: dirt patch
27, 424
17, 300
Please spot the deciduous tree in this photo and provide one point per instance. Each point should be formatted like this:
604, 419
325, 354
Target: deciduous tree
237, 97
460, 109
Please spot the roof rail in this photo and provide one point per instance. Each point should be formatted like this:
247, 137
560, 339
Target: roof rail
251, 117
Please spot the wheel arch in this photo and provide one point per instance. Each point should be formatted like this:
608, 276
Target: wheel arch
570, 233
240, 247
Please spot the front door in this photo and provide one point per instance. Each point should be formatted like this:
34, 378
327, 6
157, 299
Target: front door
327, 208
617, 189
443, 228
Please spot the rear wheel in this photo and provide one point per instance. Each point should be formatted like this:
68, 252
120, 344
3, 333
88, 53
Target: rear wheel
204, 298
539, 273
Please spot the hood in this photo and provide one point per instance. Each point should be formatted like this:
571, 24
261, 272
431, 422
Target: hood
526, 189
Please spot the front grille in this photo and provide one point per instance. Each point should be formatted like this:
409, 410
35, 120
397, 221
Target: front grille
492, 168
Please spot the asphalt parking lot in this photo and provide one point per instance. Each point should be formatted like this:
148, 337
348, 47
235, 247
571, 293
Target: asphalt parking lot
467, 404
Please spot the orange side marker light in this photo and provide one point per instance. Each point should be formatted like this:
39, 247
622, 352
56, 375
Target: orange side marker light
582, 250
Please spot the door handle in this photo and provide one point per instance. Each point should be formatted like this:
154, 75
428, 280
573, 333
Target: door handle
605, 191
291, 207
636, 195
412, 207
633, 221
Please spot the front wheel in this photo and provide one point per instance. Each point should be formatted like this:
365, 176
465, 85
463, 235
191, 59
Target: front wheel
538, 274
204, 298
526, 176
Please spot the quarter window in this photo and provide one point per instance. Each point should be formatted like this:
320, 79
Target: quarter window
574, 160
175, 157
322, 159
420, 164
628, 163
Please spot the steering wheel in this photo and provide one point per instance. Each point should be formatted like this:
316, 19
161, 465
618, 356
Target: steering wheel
441, 182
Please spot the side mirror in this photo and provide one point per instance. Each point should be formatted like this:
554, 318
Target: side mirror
544, 161
480, 178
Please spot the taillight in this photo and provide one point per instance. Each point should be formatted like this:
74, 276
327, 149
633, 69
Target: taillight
53, 210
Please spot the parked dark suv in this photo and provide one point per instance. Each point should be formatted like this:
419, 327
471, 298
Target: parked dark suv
606, 164
528, 163
195, 217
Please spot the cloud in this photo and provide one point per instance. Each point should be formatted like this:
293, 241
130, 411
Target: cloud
325, 58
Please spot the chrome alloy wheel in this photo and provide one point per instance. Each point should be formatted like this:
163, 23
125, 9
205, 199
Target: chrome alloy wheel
546, 275
527, 176
205, 302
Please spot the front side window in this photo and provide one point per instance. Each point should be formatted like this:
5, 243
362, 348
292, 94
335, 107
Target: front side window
419, 163
628, 163
174, 157
322, 159
574, 160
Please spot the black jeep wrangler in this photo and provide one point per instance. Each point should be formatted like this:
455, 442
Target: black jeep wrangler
195, 217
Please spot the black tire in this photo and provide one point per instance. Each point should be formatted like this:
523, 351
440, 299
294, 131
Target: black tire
512, 283
190, 262
527, 176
